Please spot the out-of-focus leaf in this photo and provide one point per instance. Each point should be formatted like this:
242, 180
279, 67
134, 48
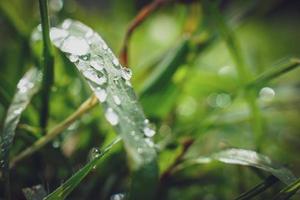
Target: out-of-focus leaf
67, 187
111, 84
247, 158
288, 191
26, 88
159, 85
34, 193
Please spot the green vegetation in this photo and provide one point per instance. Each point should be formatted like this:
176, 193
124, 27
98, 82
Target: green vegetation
201, 103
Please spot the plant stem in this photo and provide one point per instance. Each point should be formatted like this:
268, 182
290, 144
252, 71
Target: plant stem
47, 64
84, 107
243, 73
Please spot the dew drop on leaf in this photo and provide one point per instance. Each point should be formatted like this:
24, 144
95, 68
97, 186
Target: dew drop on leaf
101, 94
111, 117
75, 45
126, 73
149, 132
117, 100
94, 153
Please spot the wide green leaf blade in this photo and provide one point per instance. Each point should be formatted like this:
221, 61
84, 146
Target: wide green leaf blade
111, 84
247, 158
67, 187
26, 88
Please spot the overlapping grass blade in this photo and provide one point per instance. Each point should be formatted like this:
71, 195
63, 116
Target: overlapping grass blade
275, 72
67, 187
258, 189
111, 84
26, 88
289, 191
247, 158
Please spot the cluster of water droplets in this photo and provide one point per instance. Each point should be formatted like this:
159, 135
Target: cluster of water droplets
109, 81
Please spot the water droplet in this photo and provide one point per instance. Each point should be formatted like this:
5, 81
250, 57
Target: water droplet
24, 85
75, 45
18, 111
94, 153
149, 132
111, 117
89, 34
58, 34
101, 94
149, 142
56, 5
126, 73
56, 143
104, 46
73, 58
94, 77
118, 196
223, 100
115, 62
66, 24
266, 94
117, 100
96, 65
85, 57
146, 121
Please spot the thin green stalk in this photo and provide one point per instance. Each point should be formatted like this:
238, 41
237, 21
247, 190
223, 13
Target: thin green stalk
244, 74
47, 64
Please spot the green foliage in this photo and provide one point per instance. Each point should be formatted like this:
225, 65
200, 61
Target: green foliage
206, 74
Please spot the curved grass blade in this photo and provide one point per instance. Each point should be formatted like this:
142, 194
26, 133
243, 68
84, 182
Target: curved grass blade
289, 191
67, 187
26, 88
34, 193
247, 158
111, 84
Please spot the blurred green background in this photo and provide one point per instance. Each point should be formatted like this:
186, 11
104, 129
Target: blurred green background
201, 101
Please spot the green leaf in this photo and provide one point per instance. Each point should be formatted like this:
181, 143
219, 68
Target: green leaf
159, 85
67, 187
288, 191
27, 87
274, 72
111, 84
247, 158
34, 193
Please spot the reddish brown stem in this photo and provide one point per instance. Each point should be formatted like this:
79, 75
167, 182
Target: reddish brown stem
138, 20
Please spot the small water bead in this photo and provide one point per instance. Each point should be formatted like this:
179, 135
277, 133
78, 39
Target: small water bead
116, 62
149, 132
75, 45
104, 46
101, 94
66, 24
24, 85
266, 94
18, 111
96, 65
116, 99
94, 153
119, 196
111, 117
149, 142
58, 34
85, 57
95, 77
73, 58
126, 73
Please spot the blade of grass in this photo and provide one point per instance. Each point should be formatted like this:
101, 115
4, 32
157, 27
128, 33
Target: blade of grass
289, 191
67, 187
243, 73
246, 158
27, 87
274, 73
83, 108
110, 83
47, 64
271, 180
